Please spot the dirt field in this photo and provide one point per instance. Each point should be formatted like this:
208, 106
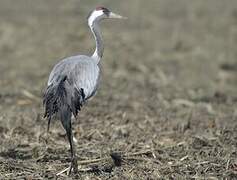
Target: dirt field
167, 104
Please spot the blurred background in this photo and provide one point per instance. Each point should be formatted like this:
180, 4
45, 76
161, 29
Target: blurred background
169, 86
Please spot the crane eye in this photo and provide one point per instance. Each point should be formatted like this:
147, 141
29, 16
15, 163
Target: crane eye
106, 11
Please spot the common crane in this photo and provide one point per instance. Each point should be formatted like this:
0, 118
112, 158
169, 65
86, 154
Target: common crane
74, 80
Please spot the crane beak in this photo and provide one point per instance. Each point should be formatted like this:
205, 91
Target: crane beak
116, 16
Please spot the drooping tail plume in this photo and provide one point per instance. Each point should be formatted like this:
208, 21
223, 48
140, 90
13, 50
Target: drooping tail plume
63, 99
54, 98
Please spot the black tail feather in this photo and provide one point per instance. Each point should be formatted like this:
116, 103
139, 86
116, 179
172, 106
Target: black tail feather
77, 101
60, 98
54, 98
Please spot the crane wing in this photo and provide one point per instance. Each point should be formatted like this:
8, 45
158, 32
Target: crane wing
81, 80
85, 75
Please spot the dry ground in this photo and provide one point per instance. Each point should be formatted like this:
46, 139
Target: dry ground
167, 104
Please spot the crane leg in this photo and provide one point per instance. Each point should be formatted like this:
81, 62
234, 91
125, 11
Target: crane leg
66, 122
73, 166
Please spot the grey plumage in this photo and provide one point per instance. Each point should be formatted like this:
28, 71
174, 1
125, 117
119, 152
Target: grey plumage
74, 80
71, 82
82, 72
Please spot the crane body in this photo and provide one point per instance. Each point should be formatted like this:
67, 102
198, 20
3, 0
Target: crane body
74, 80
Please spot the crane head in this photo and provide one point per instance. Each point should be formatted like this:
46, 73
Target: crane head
102, 13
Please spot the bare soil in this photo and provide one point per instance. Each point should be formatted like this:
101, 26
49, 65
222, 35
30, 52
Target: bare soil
167, 103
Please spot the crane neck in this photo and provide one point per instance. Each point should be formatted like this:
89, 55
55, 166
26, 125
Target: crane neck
98, 53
